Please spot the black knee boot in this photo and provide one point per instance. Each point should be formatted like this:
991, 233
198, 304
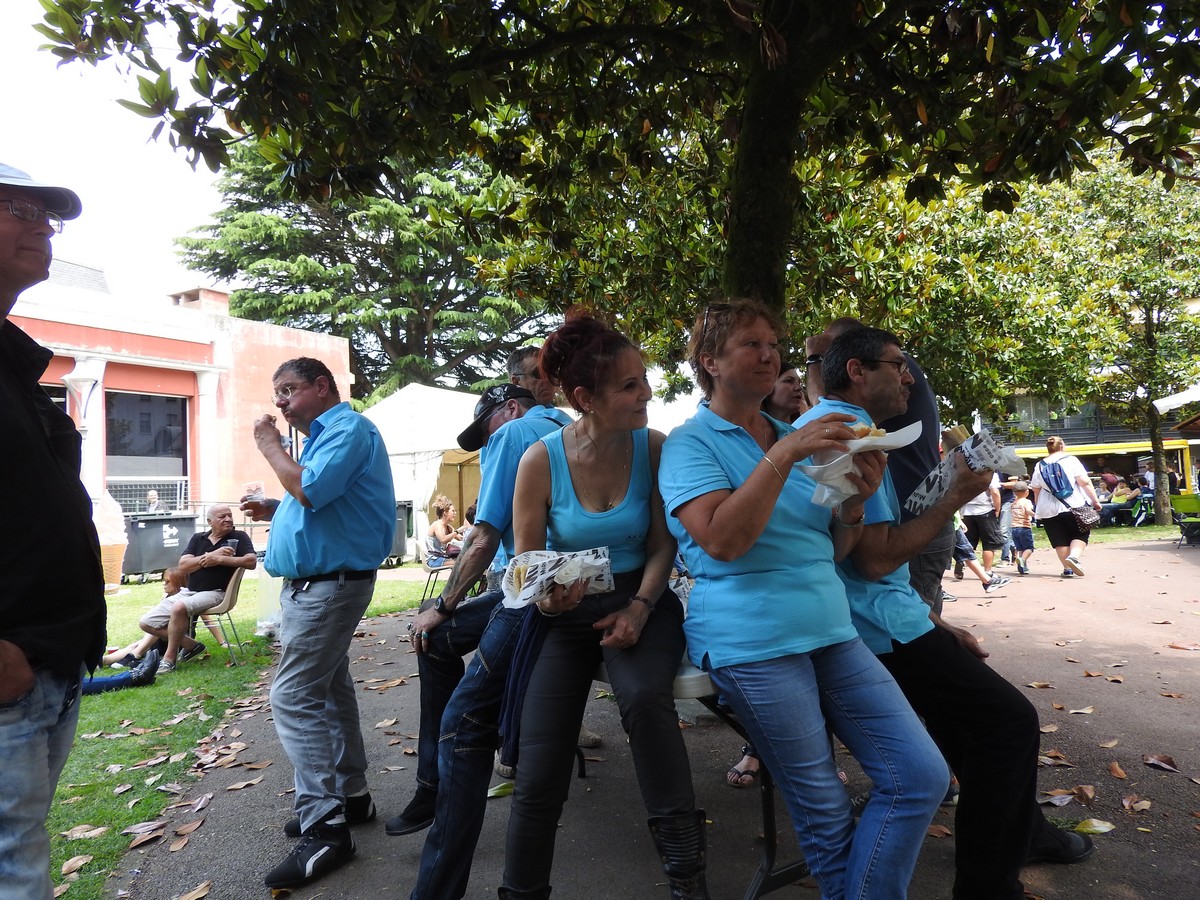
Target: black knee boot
680, 843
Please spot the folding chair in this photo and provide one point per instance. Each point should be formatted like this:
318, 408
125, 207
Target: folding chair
1185, 509
222, 613
433, 574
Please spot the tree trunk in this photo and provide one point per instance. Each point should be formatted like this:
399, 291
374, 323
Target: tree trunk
762, 202
1162, 484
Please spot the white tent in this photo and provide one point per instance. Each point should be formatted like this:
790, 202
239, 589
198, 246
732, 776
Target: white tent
1166, 404
420, 427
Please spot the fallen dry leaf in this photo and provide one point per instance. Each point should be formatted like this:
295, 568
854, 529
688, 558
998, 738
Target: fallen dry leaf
1094, 826
178, 844
122, 788
386, 723
1108, 745
1040, 684
237, 786
1115, 770
1171, 695
199, 892
1118, 679
75, 863
62, 888
1163, 622
1189, 646
146, 827
189, 827
1086, 711
1159, 761
938, 831
1134, 803
1057, 706
145, 839
84, 831
1048, 729
1087, 674
255, 766
1057, 797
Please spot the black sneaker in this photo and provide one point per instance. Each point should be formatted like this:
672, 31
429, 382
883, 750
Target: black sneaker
186, 653
323, 848
359, 811
143, 673
417, 816
996, 582
958, 571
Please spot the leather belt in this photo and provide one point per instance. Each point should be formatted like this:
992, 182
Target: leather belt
301, 584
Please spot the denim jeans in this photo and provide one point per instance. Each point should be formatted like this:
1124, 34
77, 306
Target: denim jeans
467, 742
441, 668
1006, 531
36, 732
312, 697
785, 705
988, 731
643, 678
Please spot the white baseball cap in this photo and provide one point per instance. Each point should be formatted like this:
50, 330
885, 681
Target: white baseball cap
62, 201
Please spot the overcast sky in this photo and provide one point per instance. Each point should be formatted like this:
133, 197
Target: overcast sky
63, 126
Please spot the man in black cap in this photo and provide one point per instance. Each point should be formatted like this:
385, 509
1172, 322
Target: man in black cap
460, 713
48, 634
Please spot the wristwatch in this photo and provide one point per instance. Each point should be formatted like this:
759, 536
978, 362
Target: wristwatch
439, 605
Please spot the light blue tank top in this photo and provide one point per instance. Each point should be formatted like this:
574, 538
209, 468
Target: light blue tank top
622, 529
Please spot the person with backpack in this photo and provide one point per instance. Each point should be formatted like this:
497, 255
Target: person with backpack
1062, 493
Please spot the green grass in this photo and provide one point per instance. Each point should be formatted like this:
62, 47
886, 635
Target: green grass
201, 692
1118, 534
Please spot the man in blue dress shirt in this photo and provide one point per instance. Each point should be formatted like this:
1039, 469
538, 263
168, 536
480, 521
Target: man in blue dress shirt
329, 534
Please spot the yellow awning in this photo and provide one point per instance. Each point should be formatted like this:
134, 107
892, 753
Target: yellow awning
1116, 449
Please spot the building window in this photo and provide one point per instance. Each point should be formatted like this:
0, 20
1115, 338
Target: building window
144, 439
57, 393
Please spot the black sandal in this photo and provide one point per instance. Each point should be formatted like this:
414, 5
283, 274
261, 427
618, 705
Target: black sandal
734, 777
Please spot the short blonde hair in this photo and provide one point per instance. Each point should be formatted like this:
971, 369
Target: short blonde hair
441, 503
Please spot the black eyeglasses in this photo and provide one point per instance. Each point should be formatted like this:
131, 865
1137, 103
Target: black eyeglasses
813, 360
711, 308
901, 365
31, 212
535, 374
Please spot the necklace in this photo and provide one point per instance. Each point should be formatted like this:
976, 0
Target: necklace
617, 491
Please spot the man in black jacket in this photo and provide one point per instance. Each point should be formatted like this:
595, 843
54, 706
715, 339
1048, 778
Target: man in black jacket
51, 584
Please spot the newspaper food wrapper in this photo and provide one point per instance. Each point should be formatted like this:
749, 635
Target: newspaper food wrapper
545, 568
830, 467
982, 452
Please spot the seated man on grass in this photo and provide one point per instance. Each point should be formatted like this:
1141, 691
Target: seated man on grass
208, 562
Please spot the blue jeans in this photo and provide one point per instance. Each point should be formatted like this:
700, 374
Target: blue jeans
36, 732
785, 705
316, 711
468, 738
1006, 530
441, 668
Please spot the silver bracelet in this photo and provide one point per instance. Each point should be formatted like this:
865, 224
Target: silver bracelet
837, 518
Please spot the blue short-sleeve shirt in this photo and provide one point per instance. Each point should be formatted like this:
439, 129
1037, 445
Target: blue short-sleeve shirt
498, 462
783, 596
348, 480
888, 609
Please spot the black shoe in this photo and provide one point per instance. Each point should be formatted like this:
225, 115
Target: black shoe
359, 811
958, 571
128, 661
417, 816
143, 673
322, 849
186, 653
1053, 845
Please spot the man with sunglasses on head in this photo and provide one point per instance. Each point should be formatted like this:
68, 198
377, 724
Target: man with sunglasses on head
49, 631
329, 535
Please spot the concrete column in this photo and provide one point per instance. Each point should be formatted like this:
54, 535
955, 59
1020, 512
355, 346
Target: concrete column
85, 386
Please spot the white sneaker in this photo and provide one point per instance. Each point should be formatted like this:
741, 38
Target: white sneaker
1074, 566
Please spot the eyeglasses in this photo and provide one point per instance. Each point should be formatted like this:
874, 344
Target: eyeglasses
901, 365
711, 308
31, 212
813, 360
535, 374
285, 392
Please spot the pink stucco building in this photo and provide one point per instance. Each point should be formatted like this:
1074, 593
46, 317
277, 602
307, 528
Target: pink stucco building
165, 392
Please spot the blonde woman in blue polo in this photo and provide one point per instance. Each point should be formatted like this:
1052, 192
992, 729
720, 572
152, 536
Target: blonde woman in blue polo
768, 617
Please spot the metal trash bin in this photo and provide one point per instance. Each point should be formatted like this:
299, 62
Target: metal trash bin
403, 526
156, 541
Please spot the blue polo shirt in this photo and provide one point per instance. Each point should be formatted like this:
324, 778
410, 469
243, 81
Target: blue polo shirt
498, 462
783, 595
888, 609
348, 480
